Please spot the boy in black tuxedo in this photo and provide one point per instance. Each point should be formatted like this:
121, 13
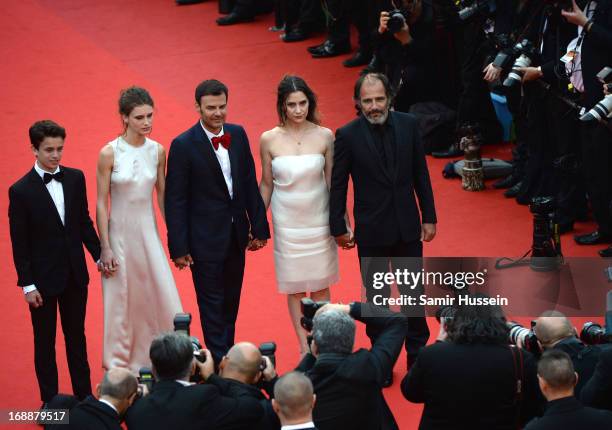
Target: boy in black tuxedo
49, 223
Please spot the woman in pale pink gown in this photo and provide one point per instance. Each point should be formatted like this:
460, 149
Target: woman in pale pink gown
140, 296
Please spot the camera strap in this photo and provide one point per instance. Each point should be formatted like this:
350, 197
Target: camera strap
519, 376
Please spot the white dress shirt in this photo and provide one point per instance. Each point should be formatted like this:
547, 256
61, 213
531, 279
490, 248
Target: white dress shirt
56, 191
298, 426
223, 158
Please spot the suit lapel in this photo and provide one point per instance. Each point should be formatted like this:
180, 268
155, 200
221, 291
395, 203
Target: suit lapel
204, 145
233, 156
68, 187
370, 142
41, 192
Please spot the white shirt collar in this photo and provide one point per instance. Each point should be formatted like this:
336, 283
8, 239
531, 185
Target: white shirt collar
184, 383
298, 426
41, 172
209, 134
106, 402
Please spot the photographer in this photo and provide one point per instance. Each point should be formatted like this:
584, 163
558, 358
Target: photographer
471, 379
597, 393
404, 53
595, 52
174, 402
553, 168
555, 331
348, 384
557, 379
294, 400
240, 372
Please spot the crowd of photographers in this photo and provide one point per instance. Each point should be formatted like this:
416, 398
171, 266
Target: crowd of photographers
482, 372
550, 59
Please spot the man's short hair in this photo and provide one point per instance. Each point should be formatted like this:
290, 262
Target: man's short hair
550, 330
293, 394
118, 385
210, 87
45, 128
557, 369
333, 331
171, 356
370, 77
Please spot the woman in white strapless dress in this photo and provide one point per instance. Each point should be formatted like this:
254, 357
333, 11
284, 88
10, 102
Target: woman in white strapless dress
140, 298
296, 159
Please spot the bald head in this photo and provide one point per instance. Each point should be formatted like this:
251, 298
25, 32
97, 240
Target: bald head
553, 326
242, 362
118, 383
294, 398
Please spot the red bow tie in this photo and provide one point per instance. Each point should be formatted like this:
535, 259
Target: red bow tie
224, 140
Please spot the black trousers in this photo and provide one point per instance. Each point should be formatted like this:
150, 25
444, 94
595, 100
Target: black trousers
218, 285
305, 14
597, 167
553, 166
379, 259
363, 14
72, 303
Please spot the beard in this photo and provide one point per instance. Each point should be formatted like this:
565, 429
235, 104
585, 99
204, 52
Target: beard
378, 120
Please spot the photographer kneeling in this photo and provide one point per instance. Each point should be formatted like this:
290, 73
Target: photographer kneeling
348, 384
174, 402
241, 372
470, 381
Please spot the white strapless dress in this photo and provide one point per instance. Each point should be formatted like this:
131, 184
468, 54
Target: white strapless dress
305, 254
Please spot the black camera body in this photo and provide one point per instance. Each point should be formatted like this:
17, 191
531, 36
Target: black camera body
309, 308
146, 378
594, 334
602, 111
397, 20
546, 246
523, 53
478, 7
182, 324
528, 336
268, 349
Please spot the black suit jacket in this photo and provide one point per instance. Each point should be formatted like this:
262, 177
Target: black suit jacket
384, 203
596, 52
236, 390
569, 414
349, 387
598, 391
470, 387
46, 252
92, 414
171, 405
199, 209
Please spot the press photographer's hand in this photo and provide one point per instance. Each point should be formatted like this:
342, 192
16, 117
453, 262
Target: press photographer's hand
530, 73
575, 16
208, 367
491, 73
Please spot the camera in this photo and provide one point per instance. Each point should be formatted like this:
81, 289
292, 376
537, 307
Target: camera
603, 109
268, 349
527, 336
146, 378
523, 51
478, 7
594, 334
309, 308
182, 323
396, 22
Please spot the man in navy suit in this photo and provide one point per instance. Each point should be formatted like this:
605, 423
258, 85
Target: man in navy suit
214, 212
50, 223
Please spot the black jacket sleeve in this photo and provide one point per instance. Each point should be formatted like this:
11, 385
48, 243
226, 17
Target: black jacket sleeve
176, 200
339, 185
18, 219
422, 182
597, 393
255, 207
88, 232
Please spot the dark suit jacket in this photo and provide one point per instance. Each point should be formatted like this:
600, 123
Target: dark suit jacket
384, 203
171, 405
596, 52
349, 387
236, 390
47, 253
597, 392
569, 414
199, 209
92, 414
584, 357
470, 387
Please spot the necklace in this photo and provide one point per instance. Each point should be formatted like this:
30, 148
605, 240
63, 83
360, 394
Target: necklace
297, 140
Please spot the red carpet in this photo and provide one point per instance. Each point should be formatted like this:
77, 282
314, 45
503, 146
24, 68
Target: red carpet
68, 59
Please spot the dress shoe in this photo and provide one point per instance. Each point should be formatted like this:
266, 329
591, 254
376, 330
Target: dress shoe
606, 253
295, 35
594, 238
360, 58
330, 49
513, 191
452, 151
233, 18
388, 381
315, 48
186, 2
507, 182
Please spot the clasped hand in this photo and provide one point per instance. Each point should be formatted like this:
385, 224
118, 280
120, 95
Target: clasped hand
255, 244
107, 264
403, 35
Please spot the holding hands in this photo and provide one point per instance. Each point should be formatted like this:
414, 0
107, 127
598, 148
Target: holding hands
182, 262
256, 244
107, 264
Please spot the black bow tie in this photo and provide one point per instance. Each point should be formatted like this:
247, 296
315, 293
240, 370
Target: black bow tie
47, 177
